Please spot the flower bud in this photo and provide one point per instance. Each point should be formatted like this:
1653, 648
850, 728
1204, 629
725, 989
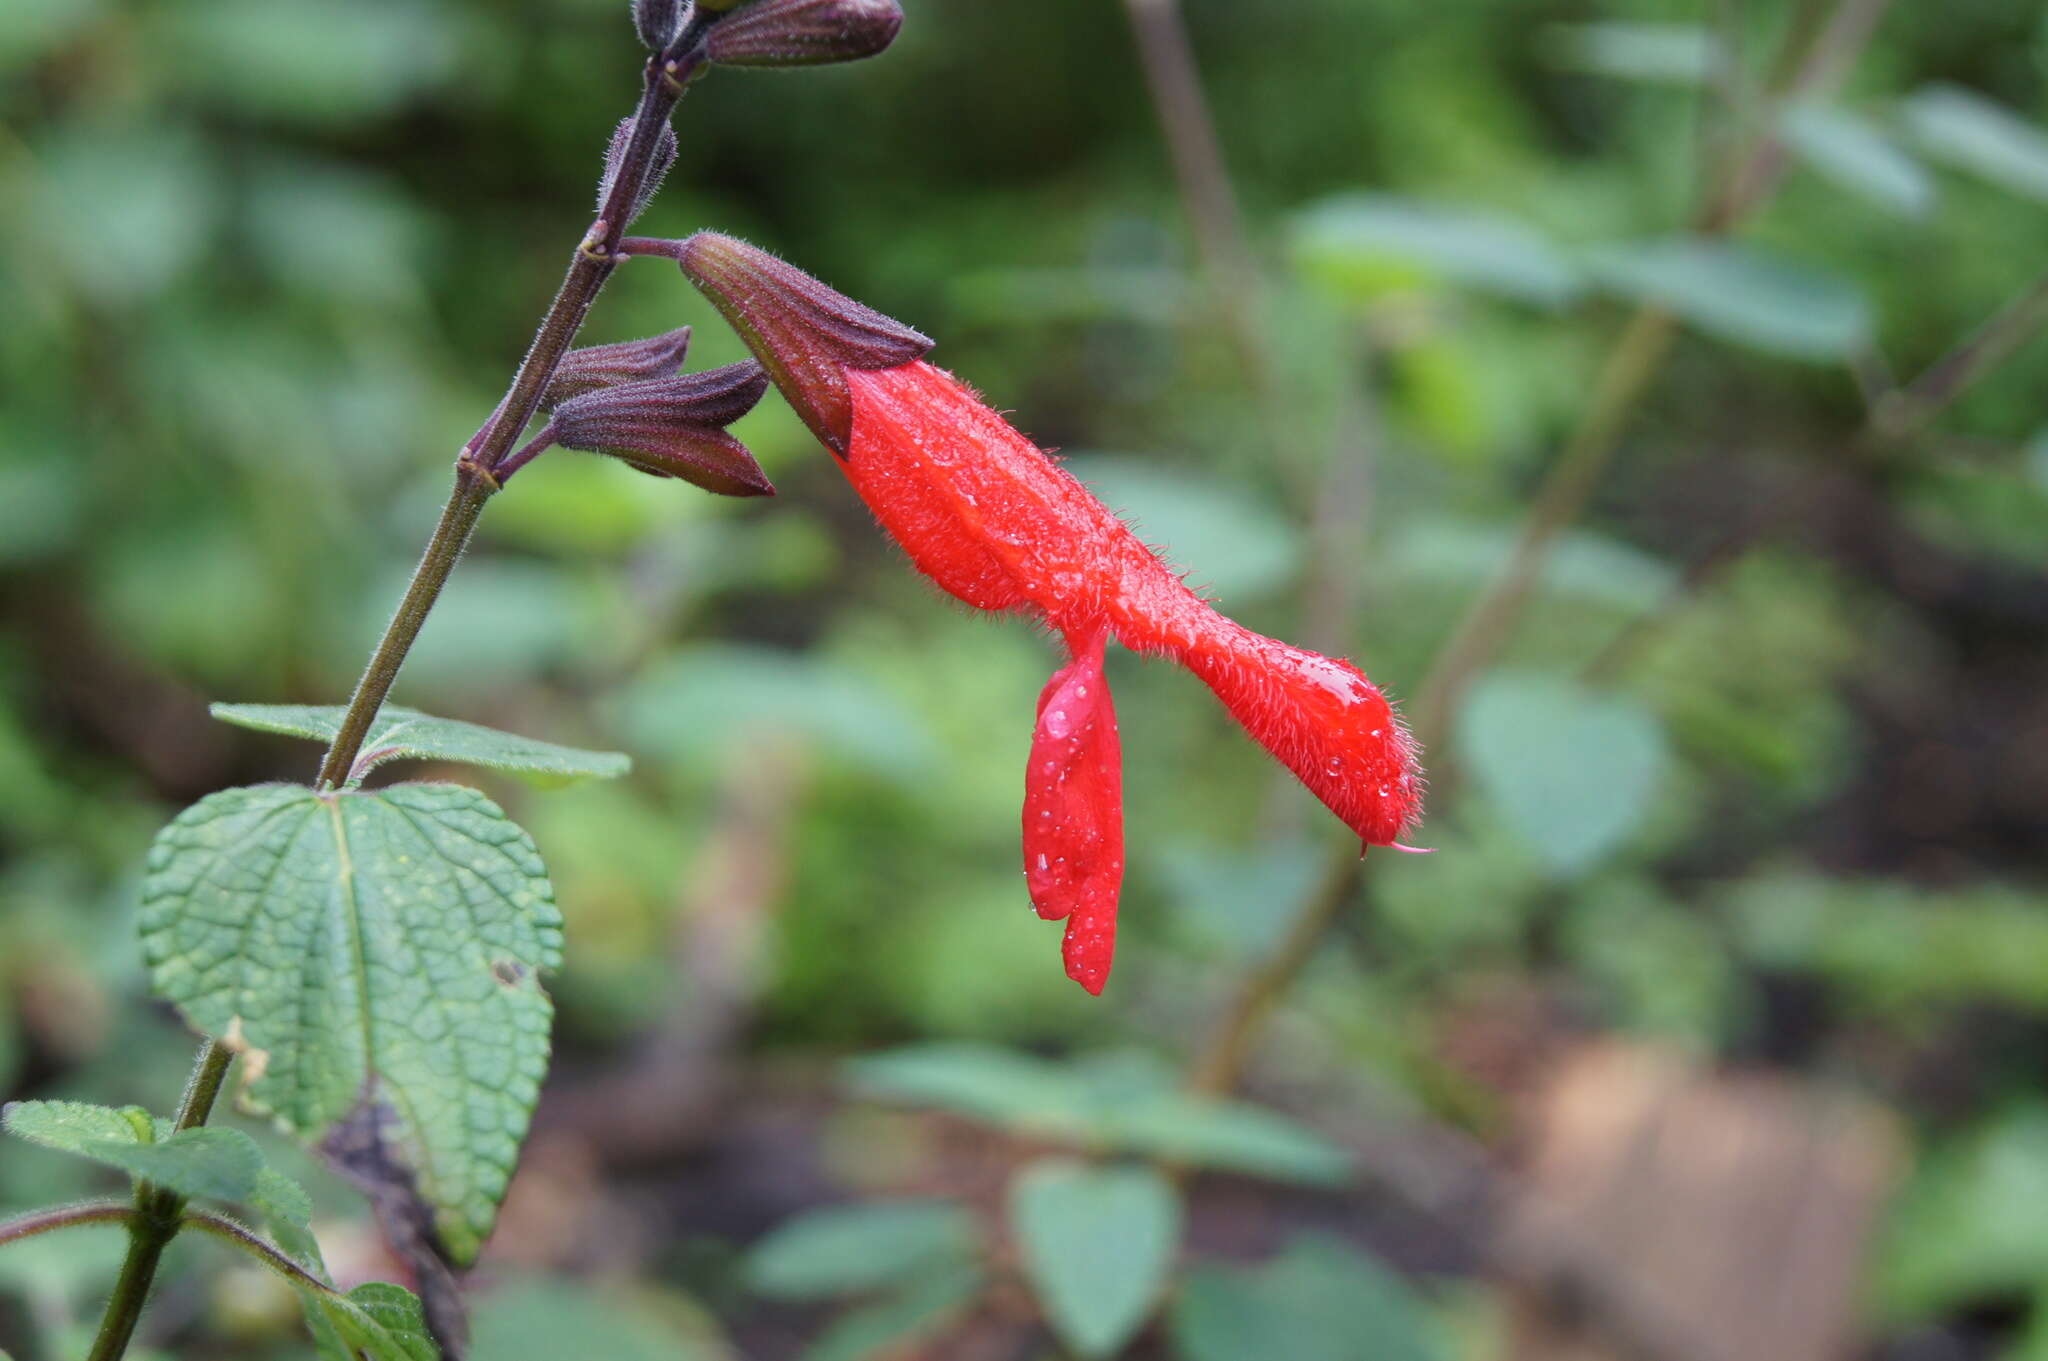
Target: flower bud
806, 334
804, 32
672, 427
603, 366
656, 21
615, 160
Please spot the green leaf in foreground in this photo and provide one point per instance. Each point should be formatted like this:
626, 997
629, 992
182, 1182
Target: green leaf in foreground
380, 1321
848, 1249
379, 954
212, 1162
1096, 1244
400, 733
1321, 1300
1741, 295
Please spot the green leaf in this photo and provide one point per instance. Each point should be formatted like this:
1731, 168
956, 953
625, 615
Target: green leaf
1675, 54
1573, 771
1362, 236
381, 951
75, 1126
400, 733
220, 1164
1968, 1227
887, 1327
1096, 1243
1048, 1100
380, 1321
538, 1318
1741, 295
1321, 1300
849, 1249
1851, 152
1981, 136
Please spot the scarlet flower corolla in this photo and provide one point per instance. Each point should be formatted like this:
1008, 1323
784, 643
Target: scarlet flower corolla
994, 521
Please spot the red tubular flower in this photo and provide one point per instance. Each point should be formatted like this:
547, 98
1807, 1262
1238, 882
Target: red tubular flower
987, 515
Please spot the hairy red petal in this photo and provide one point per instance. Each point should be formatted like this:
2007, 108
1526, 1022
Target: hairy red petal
1074, 813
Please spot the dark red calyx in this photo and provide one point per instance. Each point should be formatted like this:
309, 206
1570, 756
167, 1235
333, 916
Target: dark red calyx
628, 361
673, 427
807, 335
803, 32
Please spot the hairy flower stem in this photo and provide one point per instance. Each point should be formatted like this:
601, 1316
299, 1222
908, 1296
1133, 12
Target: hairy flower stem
156, 1217
597, 254
154, 1221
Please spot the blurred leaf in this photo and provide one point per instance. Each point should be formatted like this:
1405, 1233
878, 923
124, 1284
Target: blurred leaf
1968, 1228
41, 504
1096, 1243
336, 232
1359, 235
537, 1318
367, 56
31, 28
1044, 1099
1573, 770
2037, 460
1321, 1300
1242, 900
1740, 295
399, 733
151, 196
382, 951
1852, 153
852, 1249
696, 703
1981, 136
1677, 54
882, 1330
1580, 563
1228, 543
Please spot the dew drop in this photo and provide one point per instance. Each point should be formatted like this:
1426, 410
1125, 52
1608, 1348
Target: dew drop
1041, 862
1335, 764
1057, 724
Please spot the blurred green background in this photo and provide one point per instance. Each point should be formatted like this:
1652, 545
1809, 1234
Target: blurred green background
1754, 794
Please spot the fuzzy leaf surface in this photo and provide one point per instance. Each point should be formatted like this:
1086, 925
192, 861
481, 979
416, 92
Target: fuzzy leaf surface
400, 733
380, 953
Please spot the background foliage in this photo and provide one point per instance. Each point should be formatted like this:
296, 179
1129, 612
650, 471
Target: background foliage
267, 262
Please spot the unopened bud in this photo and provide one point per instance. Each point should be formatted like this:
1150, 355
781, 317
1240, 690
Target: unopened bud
673, 427
806, 334
804, 32
604, 366
656, 21
615, 161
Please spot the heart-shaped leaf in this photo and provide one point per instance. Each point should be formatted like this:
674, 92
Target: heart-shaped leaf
1572, 770
1096, 1245
378, 954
